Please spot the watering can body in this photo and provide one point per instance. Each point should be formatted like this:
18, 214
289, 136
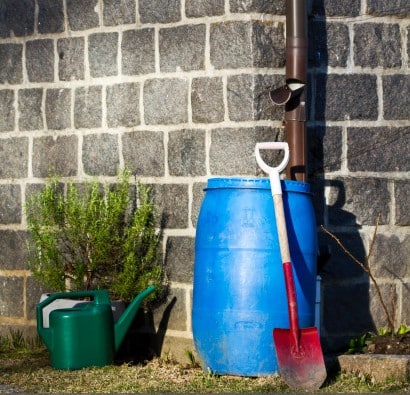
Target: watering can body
85, 335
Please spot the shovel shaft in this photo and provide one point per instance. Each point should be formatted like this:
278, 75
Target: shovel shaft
292, 304
287, 269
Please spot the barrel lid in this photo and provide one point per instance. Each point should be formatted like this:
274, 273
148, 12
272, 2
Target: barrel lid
256, 183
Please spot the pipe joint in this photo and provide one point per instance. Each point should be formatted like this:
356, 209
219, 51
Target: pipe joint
288, 92
292, 95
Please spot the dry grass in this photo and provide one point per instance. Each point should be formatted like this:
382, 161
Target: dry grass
29, 371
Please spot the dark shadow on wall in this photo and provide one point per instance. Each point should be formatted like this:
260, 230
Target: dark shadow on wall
345, 287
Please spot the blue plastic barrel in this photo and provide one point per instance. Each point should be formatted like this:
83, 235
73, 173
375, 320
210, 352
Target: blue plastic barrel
239, 293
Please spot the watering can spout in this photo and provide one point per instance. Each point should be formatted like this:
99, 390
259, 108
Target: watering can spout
124, 322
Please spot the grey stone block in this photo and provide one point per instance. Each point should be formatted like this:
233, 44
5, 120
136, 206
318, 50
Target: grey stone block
396, 100
58, 109
402, 202
336, 7
33, 293
30, 112
207, 100
246, 44
88, 107
82, 14
346, 97
159, 11
397, 8
268, 44
143, 153
123, 105
266, 7
377, 45
200, 8
34, 189
100, 154
50, 16
138, 51
10, 204
346, 309
165, 101
186, 153
329, 44
358, 201
7, 112
379, 368
102, 54
198, 194
13, 250
378, 149
177, 347
71, 58
241, 97
58, 155
390, 298
119, 13
172, 204
231, 45
325, 149
405, 299
232, 150
179, 258
408, 44
182, 48
40, 60
11, 296
174, 310
14, 157
388, 255
17, 18
11, 63
248, 97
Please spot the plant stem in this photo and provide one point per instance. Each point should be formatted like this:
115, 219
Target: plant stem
366, 268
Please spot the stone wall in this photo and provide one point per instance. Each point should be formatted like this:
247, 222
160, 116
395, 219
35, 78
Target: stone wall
178, 91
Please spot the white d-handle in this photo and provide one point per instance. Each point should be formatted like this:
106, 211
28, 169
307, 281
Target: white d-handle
273, 172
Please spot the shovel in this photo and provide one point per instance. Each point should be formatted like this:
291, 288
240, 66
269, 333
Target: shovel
298, 350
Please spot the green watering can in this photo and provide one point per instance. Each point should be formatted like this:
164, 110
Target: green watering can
85, 335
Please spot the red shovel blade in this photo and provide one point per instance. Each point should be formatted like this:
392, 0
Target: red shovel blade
300, 366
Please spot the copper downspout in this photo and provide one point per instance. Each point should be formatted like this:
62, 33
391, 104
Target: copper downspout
293, 93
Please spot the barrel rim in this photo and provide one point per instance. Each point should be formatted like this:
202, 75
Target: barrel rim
255, 183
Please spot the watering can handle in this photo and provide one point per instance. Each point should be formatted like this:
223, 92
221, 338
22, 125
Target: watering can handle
99, 296
273, 172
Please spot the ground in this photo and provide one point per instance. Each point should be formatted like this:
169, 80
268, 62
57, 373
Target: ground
390, 344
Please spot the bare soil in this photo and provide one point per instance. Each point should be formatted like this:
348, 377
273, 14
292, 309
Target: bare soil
390, 344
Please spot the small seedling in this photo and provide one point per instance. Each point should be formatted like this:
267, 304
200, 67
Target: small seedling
384, 331
192, 360
403, 329
359, 344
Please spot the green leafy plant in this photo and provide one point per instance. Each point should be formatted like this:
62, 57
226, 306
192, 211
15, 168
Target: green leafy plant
359, 344
92, 236
403, 329
383, 331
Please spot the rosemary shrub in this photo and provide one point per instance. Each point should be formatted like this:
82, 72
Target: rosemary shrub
91, 237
